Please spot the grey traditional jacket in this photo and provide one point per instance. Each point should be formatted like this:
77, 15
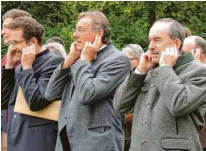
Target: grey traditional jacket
87, 115
169, 106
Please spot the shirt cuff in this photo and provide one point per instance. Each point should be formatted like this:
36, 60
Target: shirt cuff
137, 72
162, 65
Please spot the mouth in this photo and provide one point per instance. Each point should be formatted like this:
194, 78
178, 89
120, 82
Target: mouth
78, 42
154, 54
5, 37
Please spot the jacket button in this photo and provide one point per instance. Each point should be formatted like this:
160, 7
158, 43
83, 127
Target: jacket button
143, 141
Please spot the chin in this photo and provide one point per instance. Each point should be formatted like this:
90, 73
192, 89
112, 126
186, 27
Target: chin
6, 42
79, 46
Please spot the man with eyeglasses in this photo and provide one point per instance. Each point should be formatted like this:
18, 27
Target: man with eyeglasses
86, 82
28, 133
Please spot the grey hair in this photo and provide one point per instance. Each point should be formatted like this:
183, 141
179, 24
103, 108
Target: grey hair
99, 21
134, 49
56, 48
176, 30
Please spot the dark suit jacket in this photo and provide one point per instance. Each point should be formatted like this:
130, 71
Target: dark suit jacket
87, 90
27, 133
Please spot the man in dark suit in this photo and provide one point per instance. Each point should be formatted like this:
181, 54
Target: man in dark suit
27, 133
86, 82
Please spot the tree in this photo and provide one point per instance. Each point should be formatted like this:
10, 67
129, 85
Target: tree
130, 20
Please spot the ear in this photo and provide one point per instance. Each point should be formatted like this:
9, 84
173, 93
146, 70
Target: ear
177, 43
34, 41
100, 32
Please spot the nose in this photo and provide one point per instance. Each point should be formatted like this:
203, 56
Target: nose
75, 34
151, 45
3, 32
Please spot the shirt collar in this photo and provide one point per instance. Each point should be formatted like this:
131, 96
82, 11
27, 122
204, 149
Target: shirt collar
183, 59
103, 47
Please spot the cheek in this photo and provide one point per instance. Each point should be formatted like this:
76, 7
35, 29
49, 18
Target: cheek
89, 37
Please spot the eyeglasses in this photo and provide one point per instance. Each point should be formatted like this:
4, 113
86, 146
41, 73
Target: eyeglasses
14, 43
81, 30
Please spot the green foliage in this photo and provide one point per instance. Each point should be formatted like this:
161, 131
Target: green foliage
129, 20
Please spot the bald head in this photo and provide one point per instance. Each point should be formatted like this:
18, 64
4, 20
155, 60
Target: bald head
194, 42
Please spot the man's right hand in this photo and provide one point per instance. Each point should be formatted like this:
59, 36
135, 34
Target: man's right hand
13, 56
73, 56
146, 63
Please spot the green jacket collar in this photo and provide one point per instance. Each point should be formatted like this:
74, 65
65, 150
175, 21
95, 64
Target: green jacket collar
183, 59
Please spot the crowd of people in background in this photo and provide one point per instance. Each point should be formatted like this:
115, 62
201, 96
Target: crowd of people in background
111, 100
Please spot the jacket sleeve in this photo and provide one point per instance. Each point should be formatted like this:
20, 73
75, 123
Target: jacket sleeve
94, 88
34, 86
181, 98
57, 83
127, 93
7, 85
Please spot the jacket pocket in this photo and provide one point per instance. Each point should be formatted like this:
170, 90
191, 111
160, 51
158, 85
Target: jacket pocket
99, 129
176, 143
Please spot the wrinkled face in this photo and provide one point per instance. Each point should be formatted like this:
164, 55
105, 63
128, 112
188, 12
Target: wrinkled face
188, 45
17, 40
159, 40
133, 60
5, 31
84, 32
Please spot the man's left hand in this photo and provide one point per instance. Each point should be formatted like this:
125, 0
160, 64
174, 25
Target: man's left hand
169, 57
90, 50
28, 57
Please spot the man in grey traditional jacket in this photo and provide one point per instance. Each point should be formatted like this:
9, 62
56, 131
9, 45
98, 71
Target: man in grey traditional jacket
167, 92
86, 82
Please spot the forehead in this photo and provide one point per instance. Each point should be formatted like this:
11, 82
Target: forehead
16, 34
189, 41
7, 21
159, 30
84, 22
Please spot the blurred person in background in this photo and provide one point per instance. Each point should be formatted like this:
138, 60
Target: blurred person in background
197, 46
7, 18
56, 45
134, 52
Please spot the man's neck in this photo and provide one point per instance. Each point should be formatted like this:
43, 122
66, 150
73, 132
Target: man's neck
39, 49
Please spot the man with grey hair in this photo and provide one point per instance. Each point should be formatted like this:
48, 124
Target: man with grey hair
197, 46
86, 82
166, 92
